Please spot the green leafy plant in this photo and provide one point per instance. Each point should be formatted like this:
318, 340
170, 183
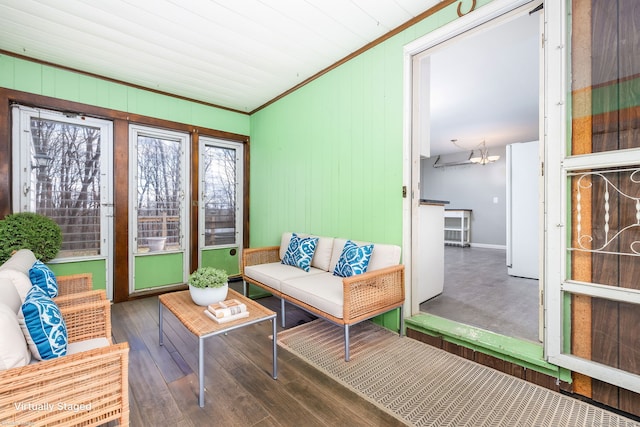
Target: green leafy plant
208, 277
28, 230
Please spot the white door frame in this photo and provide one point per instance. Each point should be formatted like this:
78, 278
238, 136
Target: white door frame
238, 147
136, 130
414, 140
22, 167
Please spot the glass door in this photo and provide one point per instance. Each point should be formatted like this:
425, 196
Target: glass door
159, 221
221, 204
61, 169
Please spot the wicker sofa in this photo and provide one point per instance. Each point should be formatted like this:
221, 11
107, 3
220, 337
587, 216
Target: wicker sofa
342, 300
87, 386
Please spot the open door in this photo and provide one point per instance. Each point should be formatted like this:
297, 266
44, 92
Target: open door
593, 203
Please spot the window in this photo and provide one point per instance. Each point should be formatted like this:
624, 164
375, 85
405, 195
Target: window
220, 183
160, 193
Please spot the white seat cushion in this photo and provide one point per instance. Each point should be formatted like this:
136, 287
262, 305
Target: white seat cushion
322, 254
20, 281
80, 346
21, 261
322, 291
273, 273
9, 294
13, 347
384, 255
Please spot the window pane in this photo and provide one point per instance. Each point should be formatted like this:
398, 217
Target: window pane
65, 173
605, 325
605, 76
159, 194
219, 183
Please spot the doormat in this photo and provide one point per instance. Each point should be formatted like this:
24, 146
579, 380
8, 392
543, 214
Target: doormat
425, 386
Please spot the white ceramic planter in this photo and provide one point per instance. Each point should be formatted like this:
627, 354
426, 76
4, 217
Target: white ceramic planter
206, 296
156, 243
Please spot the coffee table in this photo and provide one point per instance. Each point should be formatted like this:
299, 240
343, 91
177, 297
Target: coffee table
193, 318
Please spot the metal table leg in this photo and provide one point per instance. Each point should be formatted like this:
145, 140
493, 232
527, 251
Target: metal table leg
201, 370
275, 349
160, 337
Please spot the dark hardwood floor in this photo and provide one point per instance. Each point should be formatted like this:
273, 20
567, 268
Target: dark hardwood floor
240, 391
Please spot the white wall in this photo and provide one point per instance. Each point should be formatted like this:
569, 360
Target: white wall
471, 187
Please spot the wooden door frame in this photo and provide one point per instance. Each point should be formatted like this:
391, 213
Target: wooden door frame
121, 121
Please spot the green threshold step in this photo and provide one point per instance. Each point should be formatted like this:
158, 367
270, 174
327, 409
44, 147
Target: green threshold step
520, 352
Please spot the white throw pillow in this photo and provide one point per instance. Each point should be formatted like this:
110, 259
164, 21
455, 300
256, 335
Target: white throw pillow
13, 347
20, 280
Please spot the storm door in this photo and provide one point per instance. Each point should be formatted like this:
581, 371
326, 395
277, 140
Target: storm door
594, 227
158, 204
62, 165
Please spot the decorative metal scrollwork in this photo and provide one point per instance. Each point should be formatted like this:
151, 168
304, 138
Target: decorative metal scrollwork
585, 184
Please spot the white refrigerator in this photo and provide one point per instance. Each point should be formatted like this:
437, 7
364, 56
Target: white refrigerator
523, 237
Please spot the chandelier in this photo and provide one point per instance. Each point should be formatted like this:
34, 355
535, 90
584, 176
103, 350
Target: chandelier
484, 156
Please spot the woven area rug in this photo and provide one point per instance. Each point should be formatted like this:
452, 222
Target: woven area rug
425, 386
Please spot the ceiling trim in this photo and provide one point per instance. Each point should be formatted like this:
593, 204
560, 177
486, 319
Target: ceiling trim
112, 80
13, 96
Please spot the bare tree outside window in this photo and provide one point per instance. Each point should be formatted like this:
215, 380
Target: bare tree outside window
159, 195
65, 182
219, 197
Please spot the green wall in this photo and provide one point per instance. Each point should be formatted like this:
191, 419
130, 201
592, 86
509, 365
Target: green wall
328, 158
50, 81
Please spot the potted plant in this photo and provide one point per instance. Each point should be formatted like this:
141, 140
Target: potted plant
208, 285
28, 230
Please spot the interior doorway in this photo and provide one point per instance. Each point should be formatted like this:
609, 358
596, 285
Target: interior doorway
494, 66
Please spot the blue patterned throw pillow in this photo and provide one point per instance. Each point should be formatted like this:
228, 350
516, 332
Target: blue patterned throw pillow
43, 327
300, 252
43, 277
353, 260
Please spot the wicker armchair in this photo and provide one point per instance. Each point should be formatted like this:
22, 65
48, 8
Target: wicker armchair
85, 388
74, 283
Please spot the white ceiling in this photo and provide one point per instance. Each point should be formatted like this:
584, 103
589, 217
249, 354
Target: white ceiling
241, 54
486, 87
237, 54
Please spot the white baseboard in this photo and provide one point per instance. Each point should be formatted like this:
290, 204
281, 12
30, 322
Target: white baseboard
488, 246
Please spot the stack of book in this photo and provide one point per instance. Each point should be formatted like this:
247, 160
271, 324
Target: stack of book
227, 311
